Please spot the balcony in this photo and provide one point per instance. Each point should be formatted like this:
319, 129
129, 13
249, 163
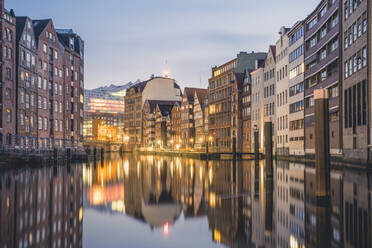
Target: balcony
325, 40
322, 63
322, 20
323, 84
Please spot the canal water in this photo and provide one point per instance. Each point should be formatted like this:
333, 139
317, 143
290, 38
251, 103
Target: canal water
150, 201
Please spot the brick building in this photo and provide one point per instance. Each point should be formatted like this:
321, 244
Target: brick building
8, 76
187, 115
26, 84
156, 88
73, 90
355, 80
199, 118
219, 97
162, 112
176, 124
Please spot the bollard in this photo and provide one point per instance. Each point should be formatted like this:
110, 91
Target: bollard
68, 153
322, 144
55, 153
95, 153
234, 148
207, 149
268, 134
102, 153
256, 146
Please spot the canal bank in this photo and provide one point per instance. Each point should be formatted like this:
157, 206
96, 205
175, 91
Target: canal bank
20, 158
335, 160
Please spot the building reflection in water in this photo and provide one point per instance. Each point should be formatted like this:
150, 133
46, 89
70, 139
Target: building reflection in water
243, 204
41, 207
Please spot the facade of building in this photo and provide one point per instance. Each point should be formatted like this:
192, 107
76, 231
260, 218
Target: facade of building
282, 80
236, 110
162, 112
257, 107
246, 112
26, 84
157, 88
269, 95
219, 97
199, 118
106, 99
8, 76
149, 119
50, 80
296, 89
188, 114
322, 70
73, 64
176, 125
355, 82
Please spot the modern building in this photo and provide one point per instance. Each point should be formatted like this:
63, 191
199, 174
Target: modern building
201, 137
355, 81
156, 88
282, 81
322, 70
296, 103
187, 115
219, 97
26, 84
106, 99
257, 108
8, 76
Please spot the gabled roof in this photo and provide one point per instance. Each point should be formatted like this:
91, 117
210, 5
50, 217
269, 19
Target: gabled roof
190, 93
39, 26
152, 104
200, 94
20, 26
273, 51
165, 109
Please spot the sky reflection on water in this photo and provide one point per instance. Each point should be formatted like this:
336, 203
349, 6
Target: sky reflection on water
146, 201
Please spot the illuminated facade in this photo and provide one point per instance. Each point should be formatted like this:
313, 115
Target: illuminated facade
103, 126
156, 88
199, 118
219, 97
108, 99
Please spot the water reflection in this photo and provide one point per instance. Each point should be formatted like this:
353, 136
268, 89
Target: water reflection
145, 201
243, 203
41, 207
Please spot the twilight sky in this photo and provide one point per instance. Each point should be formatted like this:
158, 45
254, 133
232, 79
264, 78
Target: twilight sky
126, 40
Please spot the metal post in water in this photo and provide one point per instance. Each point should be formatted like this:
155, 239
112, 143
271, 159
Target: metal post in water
268, 134
322, 166
102, 153
95, 153
234, 148
322, 144
256, 144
